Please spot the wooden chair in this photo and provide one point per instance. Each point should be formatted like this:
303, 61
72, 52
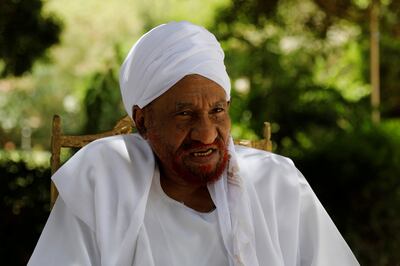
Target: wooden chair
124, 126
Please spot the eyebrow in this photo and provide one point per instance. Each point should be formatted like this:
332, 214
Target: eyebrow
183, 105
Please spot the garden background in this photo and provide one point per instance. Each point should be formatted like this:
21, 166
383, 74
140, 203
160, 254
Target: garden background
302, 65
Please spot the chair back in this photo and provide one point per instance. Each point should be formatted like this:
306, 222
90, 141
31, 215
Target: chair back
124, 126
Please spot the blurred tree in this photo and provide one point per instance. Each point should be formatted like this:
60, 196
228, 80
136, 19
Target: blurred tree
269, 44
304, 65
25, 34
358, 12
24, 204
154, 12
382, 27
356, 179
102, 105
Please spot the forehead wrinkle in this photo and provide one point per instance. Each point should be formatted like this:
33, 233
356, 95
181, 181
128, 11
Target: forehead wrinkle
219, 103
183, 105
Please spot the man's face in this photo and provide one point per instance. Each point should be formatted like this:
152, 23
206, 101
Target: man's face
188, 129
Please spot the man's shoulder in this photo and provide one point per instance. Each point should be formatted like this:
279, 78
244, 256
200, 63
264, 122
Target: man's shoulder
107, 155
105, 173
266, 168
262, 158
107, 142
112, 145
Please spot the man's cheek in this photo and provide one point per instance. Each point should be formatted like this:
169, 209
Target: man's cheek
153, 137
156, 143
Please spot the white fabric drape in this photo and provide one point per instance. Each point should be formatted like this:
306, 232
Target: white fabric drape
231, 199
177, 234
98, 218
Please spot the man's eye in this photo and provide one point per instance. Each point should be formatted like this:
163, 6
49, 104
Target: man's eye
218, 110
184, 113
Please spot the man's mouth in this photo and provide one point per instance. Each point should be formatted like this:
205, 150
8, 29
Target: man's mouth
202, 153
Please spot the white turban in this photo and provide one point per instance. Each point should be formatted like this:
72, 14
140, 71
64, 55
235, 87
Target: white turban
166, 54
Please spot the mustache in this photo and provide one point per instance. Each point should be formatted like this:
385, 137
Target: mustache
193, 144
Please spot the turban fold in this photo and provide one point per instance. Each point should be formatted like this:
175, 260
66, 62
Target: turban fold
166, 54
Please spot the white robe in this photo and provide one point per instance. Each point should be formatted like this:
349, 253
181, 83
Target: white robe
179, 235
99, 216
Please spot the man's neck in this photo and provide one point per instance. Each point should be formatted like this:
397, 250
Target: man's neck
194, 196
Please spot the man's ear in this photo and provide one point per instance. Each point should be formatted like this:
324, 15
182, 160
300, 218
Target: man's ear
138, 118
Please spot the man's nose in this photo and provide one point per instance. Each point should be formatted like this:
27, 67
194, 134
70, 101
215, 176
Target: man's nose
204, 131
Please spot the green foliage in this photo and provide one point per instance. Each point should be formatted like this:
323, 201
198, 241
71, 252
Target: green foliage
102, 104
25, 34
249, 12
302, 89
356, 177
24, 208
302, 80
390, 75
357, 11
31, 108
154, 12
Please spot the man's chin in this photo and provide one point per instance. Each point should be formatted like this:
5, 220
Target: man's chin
198, 177
202, 174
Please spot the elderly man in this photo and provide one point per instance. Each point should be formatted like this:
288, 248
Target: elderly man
180, 192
